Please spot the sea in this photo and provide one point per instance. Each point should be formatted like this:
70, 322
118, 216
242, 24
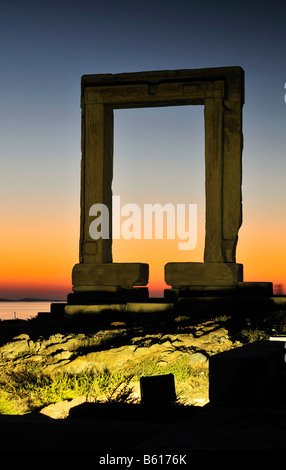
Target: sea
23, 310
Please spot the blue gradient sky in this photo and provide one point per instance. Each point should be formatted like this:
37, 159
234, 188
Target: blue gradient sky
45, 47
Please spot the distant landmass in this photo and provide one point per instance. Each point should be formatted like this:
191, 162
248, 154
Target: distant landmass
30, 299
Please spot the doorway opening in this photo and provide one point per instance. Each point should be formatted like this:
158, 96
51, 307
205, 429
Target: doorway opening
159, 158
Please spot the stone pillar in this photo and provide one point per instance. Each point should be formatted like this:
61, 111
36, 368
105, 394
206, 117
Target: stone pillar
232, 177
223, 180
96, 178
214, 180
95, 271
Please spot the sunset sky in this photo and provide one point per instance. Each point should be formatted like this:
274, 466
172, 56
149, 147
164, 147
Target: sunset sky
45, 48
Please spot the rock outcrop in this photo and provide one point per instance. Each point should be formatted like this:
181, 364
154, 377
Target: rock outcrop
94, 353
118, 350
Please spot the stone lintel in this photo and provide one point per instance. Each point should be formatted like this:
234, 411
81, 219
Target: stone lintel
233, 77
203, 274
92, 276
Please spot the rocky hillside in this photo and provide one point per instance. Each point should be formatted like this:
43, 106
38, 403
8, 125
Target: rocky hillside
182, 347
79, 353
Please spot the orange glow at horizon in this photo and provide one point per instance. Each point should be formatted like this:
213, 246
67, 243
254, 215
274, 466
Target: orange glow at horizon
40, 262
37, 256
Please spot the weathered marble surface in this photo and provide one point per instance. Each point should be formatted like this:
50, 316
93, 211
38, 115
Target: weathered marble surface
221, 91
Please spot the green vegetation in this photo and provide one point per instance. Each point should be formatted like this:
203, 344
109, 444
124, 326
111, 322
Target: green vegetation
27, 388
181, 369
254, 326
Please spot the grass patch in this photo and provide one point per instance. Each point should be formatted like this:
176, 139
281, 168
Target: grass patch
190, 380
182, 369
27, 389
248, 336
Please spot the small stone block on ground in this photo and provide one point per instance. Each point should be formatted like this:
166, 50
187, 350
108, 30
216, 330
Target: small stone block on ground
158, 390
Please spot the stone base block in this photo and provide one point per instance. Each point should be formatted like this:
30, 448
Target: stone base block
97, 309
95, 297
248, 290
157, 310
255, 288
149, 307
248, 375
109, 276
202, 275
58, 308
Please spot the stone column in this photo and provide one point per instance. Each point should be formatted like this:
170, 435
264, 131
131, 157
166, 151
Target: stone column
232, 175
96, 178
95, 272
214, 180
223, 179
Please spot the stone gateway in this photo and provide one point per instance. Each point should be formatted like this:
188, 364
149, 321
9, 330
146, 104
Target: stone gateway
221, 91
